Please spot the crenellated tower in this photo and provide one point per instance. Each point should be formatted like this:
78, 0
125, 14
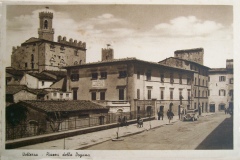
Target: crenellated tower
107, 54
45, 30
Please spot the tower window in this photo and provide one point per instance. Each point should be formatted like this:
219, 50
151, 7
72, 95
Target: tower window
45, 24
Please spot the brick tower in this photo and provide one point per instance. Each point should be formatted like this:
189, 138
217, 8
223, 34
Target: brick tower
45, 30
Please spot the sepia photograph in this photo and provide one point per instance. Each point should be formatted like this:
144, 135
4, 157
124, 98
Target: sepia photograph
82, 81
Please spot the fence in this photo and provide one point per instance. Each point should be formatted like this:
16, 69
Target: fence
38, 128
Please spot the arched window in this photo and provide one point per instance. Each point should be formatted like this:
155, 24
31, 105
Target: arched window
75, 63
80, 62
45, 24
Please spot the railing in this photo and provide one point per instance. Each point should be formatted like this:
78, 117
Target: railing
28, 130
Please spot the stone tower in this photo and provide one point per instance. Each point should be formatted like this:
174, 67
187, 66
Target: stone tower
45, 30
107, 54
194, 55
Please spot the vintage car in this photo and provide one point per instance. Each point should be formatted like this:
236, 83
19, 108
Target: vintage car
191, 114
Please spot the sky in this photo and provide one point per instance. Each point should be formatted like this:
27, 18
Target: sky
147, 32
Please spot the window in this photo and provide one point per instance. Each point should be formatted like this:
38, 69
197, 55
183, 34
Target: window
121, 94
198, 93
138, 75
231, 80
231, 92
195, 93
180, 94
94, 75
162, 94
149, 94
32, 65
203, 82
202, 93
104, 75
42, 83
208, 92
122, 74
195, 105
171, 94
222, 92
32, 57
148, 76
171, 78
94, 96
67, 94
75, 52
102, 95
75, 63
162, 78
199, 81
45, 24
189, 94
206, 83
55, 94
222, 78
195, 81
138, 93
188, 81
180, 79
74, 75
62, 49
25, 65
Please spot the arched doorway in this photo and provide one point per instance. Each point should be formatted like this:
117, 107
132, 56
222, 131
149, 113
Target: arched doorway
212, 107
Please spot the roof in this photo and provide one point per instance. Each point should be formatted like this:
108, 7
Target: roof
185, 61
132, 59
14, 72
13, 89
220, 70
63, 106
58, 74
188, 50
41, 76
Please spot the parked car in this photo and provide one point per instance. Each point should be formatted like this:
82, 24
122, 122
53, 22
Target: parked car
191, 114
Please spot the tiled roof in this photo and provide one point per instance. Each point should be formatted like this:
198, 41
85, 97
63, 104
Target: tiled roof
187, 50
42, 76
64, 106
217, 70
13, 89
58, 74
14, 72
126, 60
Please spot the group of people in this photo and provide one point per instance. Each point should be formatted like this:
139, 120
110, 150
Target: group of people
169, 115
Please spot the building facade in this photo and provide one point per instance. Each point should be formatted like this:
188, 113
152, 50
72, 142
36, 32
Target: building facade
192, 59
221, 87
42, 53
131, 85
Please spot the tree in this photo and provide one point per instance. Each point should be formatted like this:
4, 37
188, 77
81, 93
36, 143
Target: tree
56, 118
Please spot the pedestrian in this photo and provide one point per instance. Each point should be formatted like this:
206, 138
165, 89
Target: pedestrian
119, 121
179, 111
161, 115
169, 115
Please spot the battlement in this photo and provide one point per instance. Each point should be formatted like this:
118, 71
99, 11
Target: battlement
107, 54
71, 42
15, 48
45, 15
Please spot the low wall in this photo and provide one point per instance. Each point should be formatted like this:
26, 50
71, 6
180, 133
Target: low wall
59, 135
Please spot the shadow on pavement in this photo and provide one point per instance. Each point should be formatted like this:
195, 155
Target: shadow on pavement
220, 138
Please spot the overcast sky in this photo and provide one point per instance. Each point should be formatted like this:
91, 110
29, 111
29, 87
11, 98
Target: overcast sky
147, 32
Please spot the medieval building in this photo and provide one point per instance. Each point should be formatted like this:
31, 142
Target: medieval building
42, 53
192, 59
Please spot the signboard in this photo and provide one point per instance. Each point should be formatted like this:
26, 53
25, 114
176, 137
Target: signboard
98, 83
